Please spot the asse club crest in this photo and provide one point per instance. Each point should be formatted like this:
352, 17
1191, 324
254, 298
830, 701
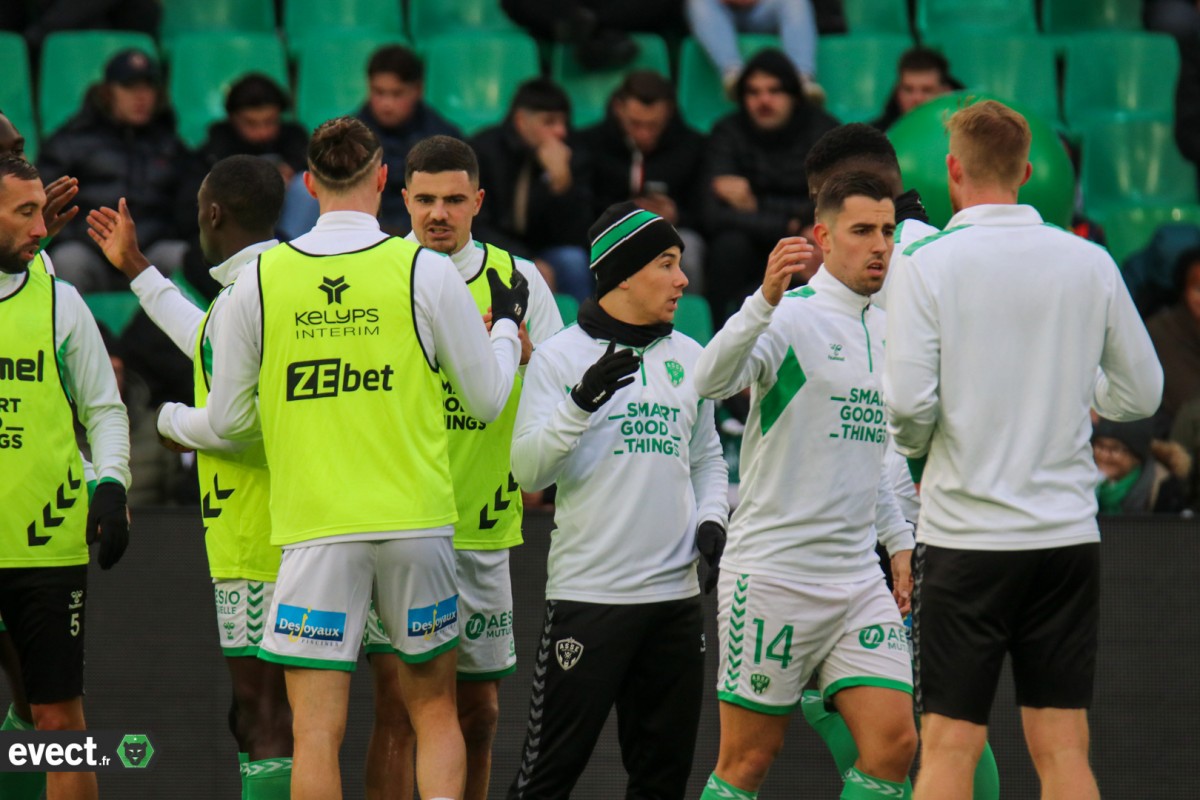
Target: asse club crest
675, 372
568, 652
759, 682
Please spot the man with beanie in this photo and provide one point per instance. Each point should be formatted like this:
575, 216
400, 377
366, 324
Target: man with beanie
1138, 474
802, 593
609, 412
754, 170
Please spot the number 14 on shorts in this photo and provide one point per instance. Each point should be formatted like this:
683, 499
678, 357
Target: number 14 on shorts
780, 647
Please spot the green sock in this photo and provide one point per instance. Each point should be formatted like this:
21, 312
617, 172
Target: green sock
832, 729
717, 789
20, 785
243, 760
860, 786
987, 777
268, 779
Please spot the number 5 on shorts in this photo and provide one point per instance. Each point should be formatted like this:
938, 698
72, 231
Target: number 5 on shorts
782, 639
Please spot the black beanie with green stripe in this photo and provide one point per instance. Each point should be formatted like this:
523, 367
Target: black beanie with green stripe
625, 239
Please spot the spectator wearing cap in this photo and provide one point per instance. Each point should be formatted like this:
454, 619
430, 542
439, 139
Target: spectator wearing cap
121, 143
538, 184
643, 151
755, 190
1138, 473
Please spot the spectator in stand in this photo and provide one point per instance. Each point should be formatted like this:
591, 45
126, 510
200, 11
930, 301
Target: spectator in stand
539, 202
643, 151
122, 143
396, 112
1140, 474
1175, 332
921, 75
757, 189
596, 29
254, 126
1185, 431
716, 24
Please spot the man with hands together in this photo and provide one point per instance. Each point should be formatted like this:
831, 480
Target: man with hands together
609, 413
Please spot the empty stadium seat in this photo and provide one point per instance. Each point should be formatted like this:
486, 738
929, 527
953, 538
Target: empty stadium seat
317, 19
1119, 74
470, 78
428, 18
1017, 68
858, 73
876, 16
1073, 16
1130, 229
195, 16
71, 62
331, 75
16, 92
114, 309
568, 307
940, 20
701, 96
204, 65
589, 90
1133, 162
693, 318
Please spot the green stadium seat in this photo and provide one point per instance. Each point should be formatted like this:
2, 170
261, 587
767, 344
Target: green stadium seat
1119, 74
206, 64
939, 20
1133, 162
189, 291
1130, 229
429, 18
589, 90
1074, 16
470, 78
71, 62
858, 73
693, 318
877, 16
16, 92
114, 309
701, 96
568, 307
304, 20
331, 75
234, 16
1021, 69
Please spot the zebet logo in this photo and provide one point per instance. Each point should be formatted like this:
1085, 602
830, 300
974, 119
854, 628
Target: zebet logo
329, 377
333, 323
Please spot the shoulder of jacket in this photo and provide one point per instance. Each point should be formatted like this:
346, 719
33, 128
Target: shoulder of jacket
933, 237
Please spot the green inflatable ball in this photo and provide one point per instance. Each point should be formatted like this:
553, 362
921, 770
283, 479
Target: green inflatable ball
922, 144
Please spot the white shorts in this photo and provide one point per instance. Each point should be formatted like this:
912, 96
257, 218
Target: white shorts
323, 592
486, 648
242, 607
775, 635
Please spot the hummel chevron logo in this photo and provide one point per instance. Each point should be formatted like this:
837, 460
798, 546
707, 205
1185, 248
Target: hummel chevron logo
333, 288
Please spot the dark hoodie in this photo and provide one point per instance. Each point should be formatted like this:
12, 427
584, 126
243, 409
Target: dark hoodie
773, 161
145, 165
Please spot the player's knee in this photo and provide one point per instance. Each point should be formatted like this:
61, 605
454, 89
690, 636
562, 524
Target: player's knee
57, 717
749, 766
479, 721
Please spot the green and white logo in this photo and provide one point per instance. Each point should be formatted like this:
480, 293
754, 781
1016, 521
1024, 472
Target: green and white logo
229, 626
476, 625
871, 637
759, 682
135, 751
675, 372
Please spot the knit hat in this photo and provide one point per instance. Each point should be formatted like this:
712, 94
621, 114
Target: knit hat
625, 239
1134, 435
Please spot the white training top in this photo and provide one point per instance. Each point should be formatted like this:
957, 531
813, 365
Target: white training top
1002, 332
908, 232
812, 453
181, 320
448, 324
635, 478
88, 375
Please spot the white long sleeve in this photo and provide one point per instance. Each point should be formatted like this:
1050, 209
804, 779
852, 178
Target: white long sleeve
710, 472
1129, 385
912, 362
733, 359
894, 531
167, 308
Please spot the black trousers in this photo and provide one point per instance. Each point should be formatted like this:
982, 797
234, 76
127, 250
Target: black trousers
645, 659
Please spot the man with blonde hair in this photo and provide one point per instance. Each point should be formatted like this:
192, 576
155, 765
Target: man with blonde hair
1007, 557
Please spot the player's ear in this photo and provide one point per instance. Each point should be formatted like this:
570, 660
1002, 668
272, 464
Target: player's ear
822, 235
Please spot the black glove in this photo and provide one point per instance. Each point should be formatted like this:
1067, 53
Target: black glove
612, 371
710, 541
508, 302
108, 521
909, 206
